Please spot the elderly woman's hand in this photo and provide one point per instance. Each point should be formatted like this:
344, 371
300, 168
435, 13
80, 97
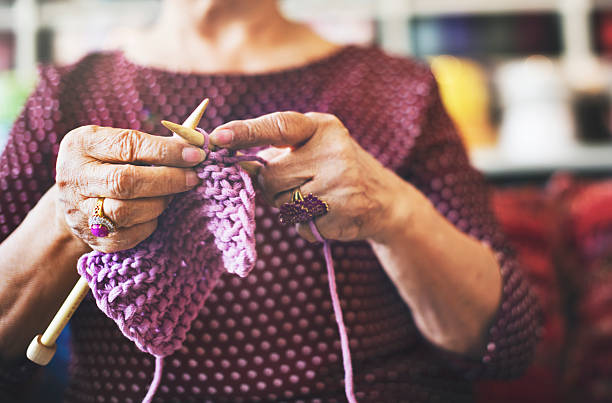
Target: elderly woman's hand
323, 159
98, 161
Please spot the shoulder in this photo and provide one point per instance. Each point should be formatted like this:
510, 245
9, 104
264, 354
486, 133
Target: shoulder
384, 63
90, 66
393, 74
384, 100
393, 86
77, 90
57, 85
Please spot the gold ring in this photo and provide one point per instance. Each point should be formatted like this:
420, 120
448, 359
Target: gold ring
302, 209
99, 224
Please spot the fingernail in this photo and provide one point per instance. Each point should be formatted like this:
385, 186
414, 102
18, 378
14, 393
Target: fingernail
192, 154
191, 179
222, 137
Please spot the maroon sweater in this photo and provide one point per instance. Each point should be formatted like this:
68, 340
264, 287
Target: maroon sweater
272, 336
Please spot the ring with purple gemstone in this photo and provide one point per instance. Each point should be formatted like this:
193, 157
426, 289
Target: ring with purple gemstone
99, 224
302, 209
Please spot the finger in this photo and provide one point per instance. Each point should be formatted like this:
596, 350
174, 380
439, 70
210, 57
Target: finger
284, 171
127, 213
124, 145
268, 155
278, 183
323, 224
304, 229
305, 189
124, 238
271, 153
276, 129
136, 182
305, 232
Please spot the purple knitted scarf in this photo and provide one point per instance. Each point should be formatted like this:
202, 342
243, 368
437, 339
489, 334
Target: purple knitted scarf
155, 290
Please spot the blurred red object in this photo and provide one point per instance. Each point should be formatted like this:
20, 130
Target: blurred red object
588, 265
529, 218
604, 32
562, 234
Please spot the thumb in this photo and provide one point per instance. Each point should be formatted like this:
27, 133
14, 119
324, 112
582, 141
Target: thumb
275, 129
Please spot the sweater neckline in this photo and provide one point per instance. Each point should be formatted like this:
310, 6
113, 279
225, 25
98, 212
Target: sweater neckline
321, 62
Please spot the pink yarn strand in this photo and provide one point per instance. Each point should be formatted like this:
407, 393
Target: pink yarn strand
346, 352
159, 366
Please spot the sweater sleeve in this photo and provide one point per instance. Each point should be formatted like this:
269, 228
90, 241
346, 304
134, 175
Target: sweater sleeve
27, 164
439, 167
27, 171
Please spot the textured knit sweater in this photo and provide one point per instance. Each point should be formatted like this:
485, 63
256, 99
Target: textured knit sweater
272, 335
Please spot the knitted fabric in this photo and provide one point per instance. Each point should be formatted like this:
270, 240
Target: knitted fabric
156, 316
155, 290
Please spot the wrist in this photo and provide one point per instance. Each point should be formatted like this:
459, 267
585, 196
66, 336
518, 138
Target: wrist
403, 207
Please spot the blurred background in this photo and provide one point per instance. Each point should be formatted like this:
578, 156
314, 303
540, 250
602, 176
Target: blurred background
529, 85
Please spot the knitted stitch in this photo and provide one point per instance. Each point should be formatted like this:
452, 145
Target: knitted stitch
155, 290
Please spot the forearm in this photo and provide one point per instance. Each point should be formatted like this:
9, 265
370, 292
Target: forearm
451, 281
37, 271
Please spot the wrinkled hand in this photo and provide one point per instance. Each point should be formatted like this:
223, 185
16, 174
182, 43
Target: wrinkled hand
98, 161
316, 153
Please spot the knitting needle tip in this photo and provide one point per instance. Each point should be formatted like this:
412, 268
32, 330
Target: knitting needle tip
190, 135
194, 119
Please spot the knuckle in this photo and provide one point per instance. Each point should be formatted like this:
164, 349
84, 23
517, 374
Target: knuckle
326, 119
78, 138
87, 129
120, 214
67, 173
75, 135
339, 149
163, 150
69, 184
61, 178
127, 143
66, 148
121, 181
281, 122
68, 141
251, 133
344, 170
330, 119
317, 116
173, 182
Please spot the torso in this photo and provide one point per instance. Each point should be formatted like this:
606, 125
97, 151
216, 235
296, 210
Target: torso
270, 336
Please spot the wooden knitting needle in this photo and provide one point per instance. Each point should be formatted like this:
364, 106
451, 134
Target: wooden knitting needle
191, 123
190, 135
197, 139
43, 346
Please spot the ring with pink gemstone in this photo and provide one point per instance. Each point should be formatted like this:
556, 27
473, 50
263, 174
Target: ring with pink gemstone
302, 209
99, 224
